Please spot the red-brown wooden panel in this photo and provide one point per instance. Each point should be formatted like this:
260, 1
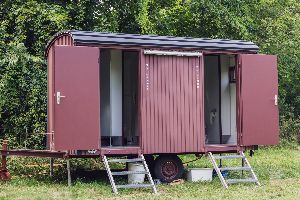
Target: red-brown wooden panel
171, 104
62, 40
258, 108
77, 116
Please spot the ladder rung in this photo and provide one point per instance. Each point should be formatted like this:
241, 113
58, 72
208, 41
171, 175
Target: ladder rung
229, 157
250, 180
126, 160
134, 186
129, 172
235, 168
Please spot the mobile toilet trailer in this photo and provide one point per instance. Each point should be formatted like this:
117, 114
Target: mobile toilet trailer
115, 94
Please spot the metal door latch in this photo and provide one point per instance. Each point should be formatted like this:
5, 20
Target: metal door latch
58, 96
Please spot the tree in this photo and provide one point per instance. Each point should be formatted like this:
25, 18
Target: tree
23, 99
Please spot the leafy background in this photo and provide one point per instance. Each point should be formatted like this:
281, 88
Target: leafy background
27, 25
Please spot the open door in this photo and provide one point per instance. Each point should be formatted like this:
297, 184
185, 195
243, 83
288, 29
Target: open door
258, 106
77, 98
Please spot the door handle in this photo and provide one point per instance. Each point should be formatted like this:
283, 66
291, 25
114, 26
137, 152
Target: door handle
58, 96
275, 100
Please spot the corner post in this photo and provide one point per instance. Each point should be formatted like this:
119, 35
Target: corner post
4, 173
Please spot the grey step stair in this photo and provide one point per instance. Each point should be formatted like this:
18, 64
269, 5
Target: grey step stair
129, 172
146, 171
245, 167
235, 168
125, 160
134, 186
249, 180
229, 157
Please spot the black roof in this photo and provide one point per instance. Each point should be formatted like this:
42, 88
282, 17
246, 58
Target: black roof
105, 38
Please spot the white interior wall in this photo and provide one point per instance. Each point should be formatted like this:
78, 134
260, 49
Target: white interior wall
116, 92
228, 101
225, 96
233, 112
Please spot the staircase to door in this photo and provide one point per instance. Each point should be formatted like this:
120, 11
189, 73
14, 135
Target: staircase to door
245, 167
139, 159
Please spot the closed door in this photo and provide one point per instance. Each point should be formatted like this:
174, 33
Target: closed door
172, 119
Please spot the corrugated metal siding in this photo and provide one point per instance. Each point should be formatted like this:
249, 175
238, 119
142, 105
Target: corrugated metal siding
172, 119
62, 40
238, 99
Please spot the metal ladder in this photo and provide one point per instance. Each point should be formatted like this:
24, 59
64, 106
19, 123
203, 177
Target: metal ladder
245, 167
111, 174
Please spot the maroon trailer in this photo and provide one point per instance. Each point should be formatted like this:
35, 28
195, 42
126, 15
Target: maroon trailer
127, 94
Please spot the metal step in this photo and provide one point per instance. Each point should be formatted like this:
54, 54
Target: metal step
229, 157
235, 168
140, 159
249, 180
125, 160
245, 167
129, 172
134, 186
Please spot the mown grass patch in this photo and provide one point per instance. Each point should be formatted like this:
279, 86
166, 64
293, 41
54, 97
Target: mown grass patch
278, 170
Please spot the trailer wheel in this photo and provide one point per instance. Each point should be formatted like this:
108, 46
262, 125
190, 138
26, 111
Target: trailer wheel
168, 168
150, 162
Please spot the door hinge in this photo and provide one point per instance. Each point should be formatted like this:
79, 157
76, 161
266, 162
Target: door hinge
275, 100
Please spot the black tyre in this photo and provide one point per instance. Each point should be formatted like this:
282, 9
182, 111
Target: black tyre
168, 168
150, 162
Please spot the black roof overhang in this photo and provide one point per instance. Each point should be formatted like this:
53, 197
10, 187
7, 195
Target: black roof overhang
151, 41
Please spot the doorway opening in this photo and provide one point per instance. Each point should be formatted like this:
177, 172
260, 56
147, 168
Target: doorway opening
119, 97
220, 99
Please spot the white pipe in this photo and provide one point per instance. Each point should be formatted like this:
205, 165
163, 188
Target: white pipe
172, 53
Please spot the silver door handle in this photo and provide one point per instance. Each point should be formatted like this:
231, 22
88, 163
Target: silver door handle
58, 96
275, 100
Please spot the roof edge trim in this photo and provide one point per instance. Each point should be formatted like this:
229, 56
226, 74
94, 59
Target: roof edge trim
149, 41
55, 37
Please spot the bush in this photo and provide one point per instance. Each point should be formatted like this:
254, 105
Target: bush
23, 97
290, 129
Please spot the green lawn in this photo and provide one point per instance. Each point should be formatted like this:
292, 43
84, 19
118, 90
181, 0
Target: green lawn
278, 170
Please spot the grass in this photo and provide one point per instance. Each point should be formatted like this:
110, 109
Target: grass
278, 170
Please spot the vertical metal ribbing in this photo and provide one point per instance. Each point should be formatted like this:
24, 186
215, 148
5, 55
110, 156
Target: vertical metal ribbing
173, 104
62, 40
201, 135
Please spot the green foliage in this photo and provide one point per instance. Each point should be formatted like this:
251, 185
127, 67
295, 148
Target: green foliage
23, 96
33, 23
290, 129
27, 25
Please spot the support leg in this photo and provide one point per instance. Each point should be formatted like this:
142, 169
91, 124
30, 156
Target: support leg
69, 172
4, 173
51, 166
243, 165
